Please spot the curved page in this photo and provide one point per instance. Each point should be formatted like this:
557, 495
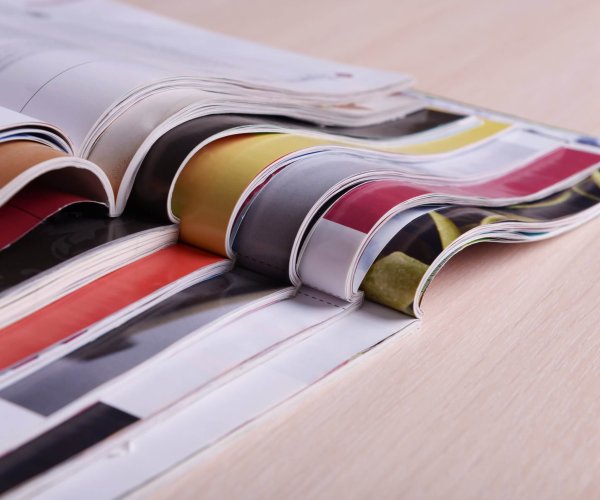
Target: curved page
29, 208
23, 162
274, 224
14, 125
215, 182
330, 257
406, 265
153, 181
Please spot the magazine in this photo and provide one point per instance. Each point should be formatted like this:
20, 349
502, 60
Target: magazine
219, 226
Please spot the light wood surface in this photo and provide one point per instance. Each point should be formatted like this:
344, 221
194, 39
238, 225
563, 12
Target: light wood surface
498, 394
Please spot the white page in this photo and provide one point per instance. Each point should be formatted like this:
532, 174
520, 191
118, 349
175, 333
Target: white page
14, 125
186, 367
115, 28
71, 63
10, 118
199, 363
47, 81
136, 458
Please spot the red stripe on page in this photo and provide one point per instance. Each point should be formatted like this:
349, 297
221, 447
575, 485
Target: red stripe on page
73, 313
361, 207
30, 207
540, 174
40, 201
14, 224
364, 205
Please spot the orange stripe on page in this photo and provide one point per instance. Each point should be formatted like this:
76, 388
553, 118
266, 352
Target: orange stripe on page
69, 315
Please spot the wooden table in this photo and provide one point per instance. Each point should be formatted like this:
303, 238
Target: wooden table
498, 394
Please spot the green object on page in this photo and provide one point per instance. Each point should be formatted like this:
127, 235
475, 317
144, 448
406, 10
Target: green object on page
393, 281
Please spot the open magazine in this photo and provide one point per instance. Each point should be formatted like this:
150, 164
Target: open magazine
218, 226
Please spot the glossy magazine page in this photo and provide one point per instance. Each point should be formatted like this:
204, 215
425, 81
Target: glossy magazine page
240, 223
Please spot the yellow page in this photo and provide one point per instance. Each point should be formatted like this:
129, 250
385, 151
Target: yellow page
212, 182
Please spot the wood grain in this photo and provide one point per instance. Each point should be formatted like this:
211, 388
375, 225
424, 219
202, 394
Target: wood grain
498, 394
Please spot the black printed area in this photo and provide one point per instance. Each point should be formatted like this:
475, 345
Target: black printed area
61, 443
64, 236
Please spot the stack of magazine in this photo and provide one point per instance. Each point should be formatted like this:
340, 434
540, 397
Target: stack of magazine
195, 228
